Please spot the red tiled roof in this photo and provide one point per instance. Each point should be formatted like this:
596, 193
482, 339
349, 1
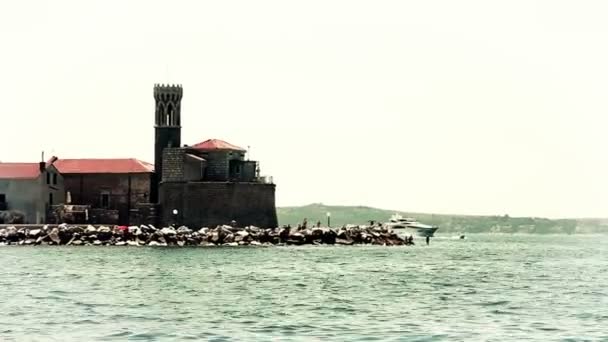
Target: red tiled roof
103, 166
216, 144
19, 170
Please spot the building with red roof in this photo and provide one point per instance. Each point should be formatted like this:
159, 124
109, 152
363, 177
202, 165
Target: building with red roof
206, 184
90, 166
217, 145
116, 185
209, 183
30, 188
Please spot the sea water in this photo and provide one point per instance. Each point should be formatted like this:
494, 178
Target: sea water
486, 287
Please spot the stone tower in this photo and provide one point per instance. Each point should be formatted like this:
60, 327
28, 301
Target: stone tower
167, 126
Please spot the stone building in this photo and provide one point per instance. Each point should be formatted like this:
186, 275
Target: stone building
31, 188
209, 183
116, 187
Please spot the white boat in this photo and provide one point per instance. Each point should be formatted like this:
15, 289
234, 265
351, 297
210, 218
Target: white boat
410, 226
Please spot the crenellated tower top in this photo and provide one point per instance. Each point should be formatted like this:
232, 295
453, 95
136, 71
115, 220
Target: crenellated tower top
168, 104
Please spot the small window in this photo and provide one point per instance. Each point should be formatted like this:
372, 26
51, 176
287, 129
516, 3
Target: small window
51, 198
2, 198
105, 200
48, 178
54, 179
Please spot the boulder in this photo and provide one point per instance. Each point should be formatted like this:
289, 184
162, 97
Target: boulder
255, 243
96, 243
224, 230
230, 244
54, 235
120, 243
296, 236
11, 232
229, 238
184, 230
242, 233
75, 229
132, 243
90, 230
181, 243
215, 237
168, 231
104, 233
34, 233
77, 243
104, 229
253, 229
329, 237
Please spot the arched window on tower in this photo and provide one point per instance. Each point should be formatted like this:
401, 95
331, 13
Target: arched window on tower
160, 113
170, 115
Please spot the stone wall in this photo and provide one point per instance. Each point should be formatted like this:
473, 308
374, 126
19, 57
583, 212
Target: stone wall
173, 169
215, 203
125, 190
217, 166
179, 165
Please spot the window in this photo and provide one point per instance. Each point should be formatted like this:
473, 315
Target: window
105, 199
48, 178
54, 179
51, 198
2, 198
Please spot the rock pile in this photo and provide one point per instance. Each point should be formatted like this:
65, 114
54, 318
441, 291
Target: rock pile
183, 236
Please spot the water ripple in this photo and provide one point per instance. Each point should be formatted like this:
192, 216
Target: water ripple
487, 287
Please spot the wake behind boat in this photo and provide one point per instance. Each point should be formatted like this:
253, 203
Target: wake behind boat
410, 226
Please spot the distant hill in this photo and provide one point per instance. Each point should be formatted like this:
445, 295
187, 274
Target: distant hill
341, 215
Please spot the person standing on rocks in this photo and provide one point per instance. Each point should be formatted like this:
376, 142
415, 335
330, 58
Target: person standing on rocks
428, 240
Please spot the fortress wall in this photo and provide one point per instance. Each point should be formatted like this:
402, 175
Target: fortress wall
208, 204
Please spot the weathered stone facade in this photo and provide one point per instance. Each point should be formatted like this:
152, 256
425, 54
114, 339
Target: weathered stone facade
209, 183
112, 191
180, 165
167, 127
207, 204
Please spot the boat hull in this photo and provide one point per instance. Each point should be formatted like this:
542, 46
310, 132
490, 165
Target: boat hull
419, 231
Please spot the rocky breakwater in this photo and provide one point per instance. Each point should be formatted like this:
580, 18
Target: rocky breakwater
73, 235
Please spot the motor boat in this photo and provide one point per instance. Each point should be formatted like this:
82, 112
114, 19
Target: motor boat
410, 226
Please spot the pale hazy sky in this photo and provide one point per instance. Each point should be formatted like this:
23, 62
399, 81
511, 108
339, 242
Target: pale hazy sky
479, 107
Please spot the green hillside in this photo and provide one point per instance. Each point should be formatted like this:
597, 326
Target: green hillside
341, 215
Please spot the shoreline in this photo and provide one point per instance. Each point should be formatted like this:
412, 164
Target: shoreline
148, 235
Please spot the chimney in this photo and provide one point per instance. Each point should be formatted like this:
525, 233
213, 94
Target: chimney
42, 163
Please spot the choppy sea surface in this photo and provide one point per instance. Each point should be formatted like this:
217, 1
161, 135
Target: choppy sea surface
487, 287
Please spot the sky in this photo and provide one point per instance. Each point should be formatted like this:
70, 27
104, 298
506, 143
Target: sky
464, 107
